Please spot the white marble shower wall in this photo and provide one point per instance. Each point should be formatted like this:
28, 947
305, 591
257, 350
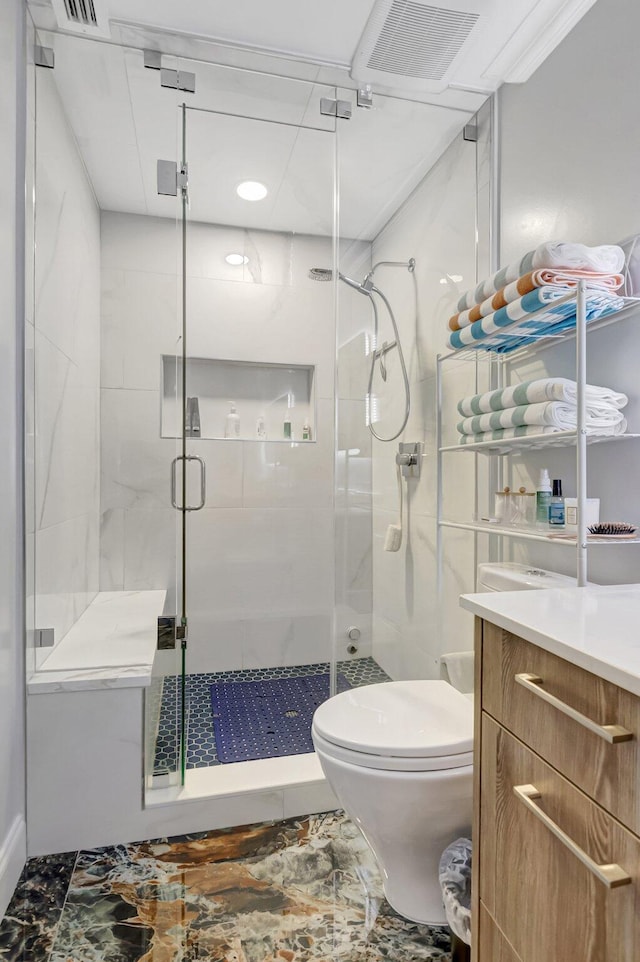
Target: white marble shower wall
412, 626
261, 552
63, 378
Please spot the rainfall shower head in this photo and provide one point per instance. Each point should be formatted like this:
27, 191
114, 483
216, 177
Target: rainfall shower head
326, 274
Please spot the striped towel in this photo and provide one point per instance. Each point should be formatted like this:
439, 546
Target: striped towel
533, 431
543, 389
568, 280
556, 319
608, 258
506, 434
557, 414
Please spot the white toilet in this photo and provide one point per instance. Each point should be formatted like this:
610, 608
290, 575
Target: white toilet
398, 756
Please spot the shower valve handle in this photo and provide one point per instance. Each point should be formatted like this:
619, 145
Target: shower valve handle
406, 460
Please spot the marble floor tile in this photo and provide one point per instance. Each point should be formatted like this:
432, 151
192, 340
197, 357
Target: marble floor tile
301, 890
28, 928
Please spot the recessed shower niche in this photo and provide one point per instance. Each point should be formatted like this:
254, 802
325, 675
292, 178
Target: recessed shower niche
273, 402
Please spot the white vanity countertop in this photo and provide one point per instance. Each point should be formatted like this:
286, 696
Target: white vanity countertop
596, 628
112, 645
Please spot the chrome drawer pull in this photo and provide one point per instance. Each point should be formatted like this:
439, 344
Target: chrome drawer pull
610, 875
611, 733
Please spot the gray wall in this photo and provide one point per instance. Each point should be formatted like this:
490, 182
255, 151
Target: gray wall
570, 162
12, 824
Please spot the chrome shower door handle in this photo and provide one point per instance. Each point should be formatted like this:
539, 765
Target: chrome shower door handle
203, 483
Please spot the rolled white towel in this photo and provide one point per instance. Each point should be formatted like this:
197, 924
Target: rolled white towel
557, 414
542, 389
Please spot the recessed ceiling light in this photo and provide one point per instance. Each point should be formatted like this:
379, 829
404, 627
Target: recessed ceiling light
251, 190
236, 259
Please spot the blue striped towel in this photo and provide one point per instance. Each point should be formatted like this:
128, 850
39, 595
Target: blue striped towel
556, 319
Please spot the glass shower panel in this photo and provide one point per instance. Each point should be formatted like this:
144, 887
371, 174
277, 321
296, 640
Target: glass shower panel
104, 313
259, 352
412, 159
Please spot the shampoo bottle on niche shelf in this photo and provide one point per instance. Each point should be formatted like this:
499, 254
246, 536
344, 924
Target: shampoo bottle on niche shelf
286, 427
261, 428
232, 422
306, 430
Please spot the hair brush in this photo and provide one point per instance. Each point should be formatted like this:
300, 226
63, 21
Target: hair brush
613, 529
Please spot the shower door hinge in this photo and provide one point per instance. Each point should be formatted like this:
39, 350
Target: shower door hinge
172, 178
335, 108
470, 133
44, 56
178, 80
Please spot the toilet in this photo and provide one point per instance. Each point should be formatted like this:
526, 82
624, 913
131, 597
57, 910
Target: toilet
398, 756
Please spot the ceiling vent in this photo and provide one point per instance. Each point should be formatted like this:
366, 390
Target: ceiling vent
412, 44
88, 17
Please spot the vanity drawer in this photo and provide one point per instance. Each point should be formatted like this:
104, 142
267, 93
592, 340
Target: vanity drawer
571, 897
573, 728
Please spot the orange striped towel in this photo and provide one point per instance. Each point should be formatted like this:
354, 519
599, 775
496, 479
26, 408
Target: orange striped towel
529, 282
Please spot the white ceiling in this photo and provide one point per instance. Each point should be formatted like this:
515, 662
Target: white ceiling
124, 121
326, 31
245, 55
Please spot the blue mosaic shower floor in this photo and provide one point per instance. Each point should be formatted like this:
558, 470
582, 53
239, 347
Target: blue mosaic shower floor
201, 743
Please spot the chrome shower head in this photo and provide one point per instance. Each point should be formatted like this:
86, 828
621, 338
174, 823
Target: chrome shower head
326, 274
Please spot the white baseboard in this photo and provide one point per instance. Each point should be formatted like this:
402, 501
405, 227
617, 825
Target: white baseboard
13, 855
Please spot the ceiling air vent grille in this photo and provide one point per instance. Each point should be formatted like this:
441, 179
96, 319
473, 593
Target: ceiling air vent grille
88, 17
81, 12
420, 41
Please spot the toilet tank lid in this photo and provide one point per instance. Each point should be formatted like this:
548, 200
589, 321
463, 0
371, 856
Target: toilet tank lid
510, 576
410, 719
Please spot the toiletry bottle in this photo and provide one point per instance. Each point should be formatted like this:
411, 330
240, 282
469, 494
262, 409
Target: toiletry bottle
306, 430
286, 427
232, 422
556, 506
543, 497
261, 428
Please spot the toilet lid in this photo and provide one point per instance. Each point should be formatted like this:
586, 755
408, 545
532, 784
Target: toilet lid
411, 719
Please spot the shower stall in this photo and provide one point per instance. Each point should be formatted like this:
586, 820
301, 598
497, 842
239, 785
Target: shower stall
205, 423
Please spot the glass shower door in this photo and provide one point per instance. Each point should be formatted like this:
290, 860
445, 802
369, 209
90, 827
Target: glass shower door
259, 351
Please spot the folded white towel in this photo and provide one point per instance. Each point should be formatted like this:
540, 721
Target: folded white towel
542, 389
607, 257
557, 414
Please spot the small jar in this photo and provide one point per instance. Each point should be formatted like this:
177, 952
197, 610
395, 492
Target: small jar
515, 507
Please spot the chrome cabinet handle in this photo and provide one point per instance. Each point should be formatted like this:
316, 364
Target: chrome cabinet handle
611, 733
203, 483
610, 875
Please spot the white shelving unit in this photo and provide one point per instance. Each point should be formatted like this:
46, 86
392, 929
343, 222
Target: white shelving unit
579, 438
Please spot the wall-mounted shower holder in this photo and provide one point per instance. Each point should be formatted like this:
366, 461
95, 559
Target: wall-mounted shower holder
409, 458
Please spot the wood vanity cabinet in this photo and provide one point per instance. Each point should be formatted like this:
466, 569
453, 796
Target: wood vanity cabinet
557, 809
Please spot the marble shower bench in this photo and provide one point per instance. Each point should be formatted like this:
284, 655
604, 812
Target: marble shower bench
112, 645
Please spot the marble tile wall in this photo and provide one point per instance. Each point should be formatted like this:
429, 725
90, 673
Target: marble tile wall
412, 626
63, 377
261, 553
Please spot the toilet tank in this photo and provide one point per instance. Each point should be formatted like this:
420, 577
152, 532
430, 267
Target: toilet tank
510, 576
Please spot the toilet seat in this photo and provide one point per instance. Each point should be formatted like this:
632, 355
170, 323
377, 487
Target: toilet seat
397, 726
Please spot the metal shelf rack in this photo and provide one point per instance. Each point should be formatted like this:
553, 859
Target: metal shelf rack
486, 350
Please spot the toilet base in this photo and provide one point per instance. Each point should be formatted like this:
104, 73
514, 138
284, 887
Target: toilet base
407, 820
